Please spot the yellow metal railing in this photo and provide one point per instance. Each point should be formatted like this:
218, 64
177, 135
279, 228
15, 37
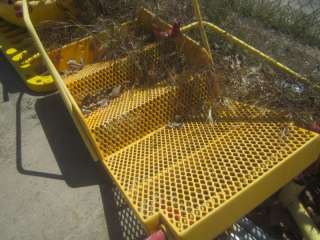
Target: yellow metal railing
72, 107
203, 32
243, 45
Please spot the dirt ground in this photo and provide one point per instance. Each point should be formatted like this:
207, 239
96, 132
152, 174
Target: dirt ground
300, 57
50, 187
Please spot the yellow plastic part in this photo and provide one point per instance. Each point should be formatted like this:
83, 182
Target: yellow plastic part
196, 179
15, 44
289, 197
42, 10
18, 50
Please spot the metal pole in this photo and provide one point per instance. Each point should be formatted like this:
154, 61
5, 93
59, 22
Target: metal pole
203, 33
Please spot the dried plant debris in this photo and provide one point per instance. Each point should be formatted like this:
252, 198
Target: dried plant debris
122, 10
114, 43
177, 122
257, 83
54, 34
102, 99
93, 17
74, 65
148, 74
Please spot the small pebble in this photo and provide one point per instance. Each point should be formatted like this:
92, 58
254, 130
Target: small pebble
175, 125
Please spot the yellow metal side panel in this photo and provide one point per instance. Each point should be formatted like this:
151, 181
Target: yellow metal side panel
82, 51
124, 121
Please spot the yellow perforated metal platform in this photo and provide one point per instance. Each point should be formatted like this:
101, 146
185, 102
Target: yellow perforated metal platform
195, 178
199, 178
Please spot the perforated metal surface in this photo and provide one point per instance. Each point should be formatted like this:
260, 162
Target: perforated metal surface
125, 119
199, 178
187, 173
109, 74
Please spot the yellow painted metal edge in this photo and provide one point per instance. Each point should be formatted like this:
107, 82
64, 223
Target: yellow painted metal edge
245, 46
203, 32
249, 198
70, 103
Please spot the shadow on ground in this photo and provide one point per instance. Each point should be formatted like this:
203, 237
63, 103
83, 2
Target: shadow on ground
10, 80
74, 160
76, 165
78, 168
71, 155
